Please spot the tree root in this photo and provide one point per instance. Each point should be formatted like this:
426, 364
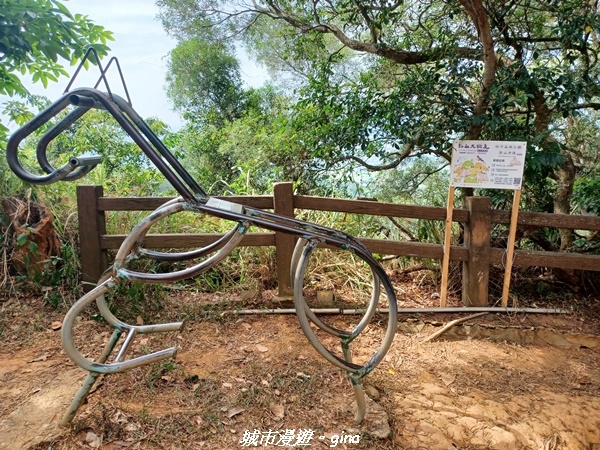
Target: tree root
450, 325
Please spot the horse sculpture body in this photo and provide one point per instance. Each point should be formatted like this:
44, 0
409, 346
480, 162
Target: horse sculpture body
192, 199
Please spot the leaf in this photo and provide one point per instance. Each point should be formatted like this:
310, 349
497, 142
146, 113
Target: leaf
234, 412
21, 239
448, 378
63, 9
33, 247
41, 358
277, 410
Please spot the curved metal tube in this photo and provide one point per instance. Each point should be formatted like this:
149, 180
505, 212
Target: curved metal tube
347, 240
158, 144
82, 96
189, 272
50, 135
74, 169
347, 336
184, 256
92, 366
300, 304
170, 207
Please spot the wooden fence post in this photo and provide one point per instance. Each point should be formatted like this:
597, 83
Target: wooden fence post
476, 269
283, 200
92, 224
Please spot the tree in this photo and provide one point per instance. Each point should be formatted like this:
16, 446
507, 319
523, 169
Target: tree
248, 154
34, 36
386, 82
236, 137
203, 81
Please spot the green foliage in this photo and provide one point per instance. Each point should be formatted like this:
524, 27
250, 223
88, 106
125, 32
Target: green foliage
586, 196
420, 85
204, 81
34, 36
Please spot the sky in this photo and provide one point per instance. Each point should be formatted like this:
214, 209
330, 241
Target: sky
141, 46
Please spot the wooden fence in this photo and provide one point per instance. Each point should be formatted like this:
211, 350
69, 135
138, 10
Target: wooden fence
475, 254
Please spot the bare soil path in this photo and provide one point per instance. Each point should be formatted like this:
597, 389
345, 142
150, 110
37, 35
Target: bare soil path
481, 390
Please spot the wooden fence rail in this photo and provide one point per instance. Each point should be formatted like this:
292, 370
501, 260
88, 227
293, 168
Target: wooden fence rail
475, 253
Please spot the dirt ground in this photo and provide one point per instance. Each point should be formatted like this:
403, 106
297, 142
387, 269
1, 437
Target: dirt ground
495, 382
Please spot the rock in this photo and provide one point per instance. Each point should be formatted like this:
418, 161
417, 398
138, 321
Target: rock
372, 392
376, 422
324, 299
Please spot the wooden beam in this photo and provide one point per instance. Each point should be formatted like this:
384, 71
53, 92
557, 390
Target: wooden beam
476, 269
511, 246
92, 225
283, 199
151, 203
551, 220
377, 208
560, 260
414, 249
447, 248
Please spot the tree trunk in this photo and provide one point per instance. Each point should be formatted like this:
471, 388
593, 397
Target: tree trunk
35, 239
565, 179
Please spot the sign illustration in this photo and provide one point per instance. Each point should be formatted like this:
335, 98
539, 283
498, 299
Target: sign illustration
488, 164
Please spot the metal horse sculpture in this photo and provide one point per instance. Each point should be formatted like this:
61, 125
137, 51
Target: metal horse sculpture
192, 199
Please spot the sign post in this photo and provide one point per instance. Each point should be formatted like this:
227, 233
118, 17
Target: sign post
485, 165
511, 246
447, 243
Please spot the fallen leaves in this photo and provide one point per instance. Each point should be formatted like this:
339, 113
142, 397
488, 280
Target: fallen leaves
93, 440
261, 348
234, 411
277, 410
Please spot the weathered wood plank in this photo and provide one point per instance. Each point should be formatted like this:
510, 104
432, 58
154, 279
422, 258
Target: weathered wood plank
414, 249
376, 208
569, 221
151, 203
283, 194
523, 258
526, 258
92, 226
476, 269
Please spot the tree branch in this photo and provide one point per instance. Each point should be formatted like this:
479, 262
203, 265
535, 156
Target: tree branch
375, 48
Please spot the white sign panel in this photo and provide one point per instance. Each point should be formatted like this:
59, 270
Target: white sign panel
488, 164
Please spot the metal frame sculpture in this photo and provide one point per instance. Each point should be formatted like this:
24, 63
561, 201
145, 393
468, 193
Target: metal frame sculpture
192, 199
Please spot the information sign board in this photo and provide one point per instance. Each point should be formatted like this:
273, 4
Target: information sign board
488, 164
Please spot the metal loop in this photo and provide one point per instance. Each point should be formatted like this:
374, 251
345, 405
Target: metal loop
347, 336
74, 169
120, 273
303, 318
